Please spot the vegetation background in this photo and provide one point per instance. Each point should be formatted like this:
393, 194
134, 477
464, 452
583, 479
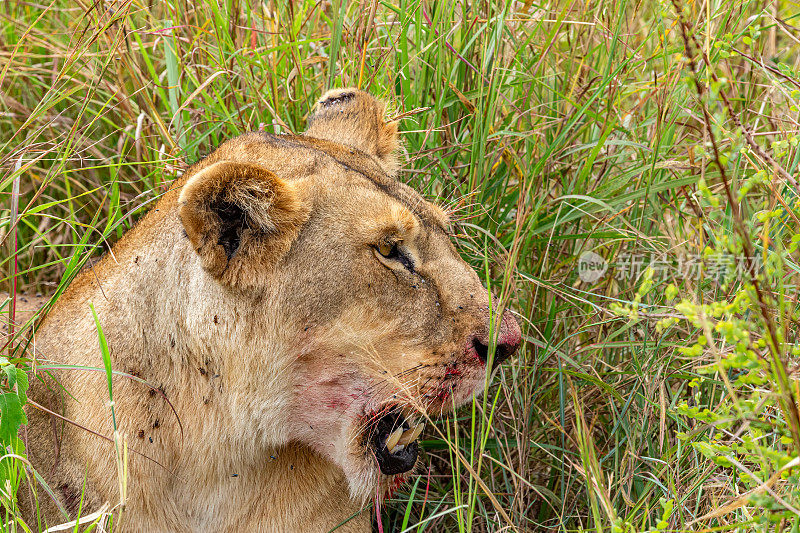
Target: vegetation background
662, 136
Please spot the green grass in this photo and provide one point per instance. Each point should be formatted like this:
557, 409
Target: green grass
548, 130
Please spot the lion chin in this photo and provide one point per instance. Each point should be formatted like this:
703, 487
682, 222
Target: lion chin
284, 322
378, 449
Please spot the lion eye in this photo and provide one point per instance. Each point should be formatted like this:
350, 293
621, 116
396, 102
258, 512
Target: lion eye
388, 250
391, 251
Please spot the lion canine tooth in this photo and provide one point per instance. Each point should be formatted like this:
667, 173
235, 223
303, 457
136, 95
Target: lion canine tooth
391, 442
412, 434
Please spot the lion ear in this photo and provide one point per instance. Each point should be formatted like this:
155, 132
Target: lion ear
355, 118
241, 219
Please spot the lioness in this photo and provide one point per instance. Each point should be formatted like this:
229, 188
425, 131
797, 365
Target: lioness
297, 313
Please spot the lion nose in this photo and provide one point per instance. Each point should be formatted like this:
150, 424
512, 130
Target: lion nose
508, 340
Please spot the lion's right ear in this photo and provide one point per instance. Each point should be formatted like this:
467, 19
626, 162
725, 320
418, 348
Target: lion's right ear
241, 219
356, 118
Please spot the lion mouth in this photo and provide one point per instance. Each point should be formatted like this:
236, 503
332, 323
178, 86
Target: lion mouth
392, 439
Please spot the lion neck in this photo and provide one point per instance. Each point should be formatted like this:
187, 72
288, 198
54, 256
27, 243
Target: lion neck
194, 342
216, 360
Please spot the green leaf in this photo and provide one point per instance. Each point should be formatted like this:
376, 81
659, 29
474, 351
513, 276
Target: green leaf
106, 362
22, 386
11, 417
11, 374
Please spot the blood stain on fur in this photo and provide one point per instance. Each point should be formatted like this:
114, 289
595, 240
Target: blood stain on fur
71, 497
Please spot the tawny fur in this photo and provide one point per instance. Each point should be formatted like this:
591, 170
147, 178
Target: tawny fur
354, 118
271, 340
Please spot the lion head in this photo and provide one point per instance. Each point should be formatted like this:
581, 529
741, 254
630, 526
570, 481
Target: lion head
362, 320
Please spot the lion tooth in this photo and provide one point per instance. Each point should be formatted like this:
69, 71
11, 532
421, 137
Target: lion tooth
412, 434
391, 442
